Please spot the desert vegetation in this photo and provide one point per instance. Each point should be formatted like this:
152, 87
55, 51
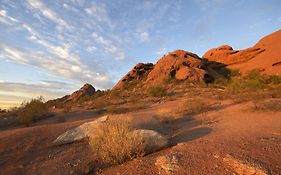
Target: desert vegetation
115, 144
31, 111
253, 80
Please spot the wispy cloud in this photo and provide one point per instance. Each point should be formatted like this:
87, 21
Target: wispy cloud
144, 36
6, 19
54, 65
48, 13
109, 46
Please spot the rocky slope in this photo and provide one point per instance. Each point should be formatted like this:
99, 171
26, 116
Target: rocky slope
264, 56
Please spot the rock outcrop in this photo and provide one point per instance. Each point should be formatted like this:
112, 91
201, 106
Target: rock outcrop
264, 56
86, 90
139, 72
180, 65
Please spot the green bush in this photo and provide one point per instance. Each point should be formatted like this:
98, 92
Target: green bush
157, 91
32, 111
253, 80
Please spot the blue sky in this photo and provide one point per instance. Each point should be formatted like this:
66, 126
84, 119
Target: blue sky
51, 48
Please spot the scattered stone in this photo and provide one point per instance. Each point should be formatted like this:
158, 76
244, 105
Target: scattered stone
168, 163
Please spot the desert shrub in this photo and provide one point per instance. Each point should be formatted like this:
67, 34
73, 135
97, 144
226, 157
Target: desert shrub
157, 91
251, 81
114, 143
32, 111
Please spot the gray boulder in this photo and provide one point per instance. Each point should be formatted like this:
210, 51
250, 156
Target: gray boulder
81, 132
153, 140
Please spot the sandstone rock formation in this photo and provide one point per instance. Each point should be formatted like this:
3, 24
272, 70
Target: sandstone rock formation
139, 72
180, 65
264, 56
86, 90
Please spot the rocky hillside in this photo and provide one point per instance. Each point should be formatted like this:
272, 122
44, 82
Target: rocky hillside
264, 56
179, 65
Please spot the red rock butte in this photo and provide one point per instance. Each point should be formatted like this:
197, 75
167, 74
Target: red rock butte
179, 64
264, 56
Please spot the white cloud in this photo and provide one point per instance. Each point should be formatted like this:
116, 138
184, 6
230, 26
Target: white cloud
109, 47
91, 49
161, 51
91, 10
48, 13
6, 19
59, 51
76, 69
99, 13
144, 36
55, 65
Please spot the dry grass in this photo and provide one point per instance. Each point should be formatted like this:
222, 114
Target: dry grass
114, 144
166, 115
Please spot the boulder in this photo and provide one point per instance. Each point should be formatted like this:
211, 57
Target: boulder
81, 132
153, 140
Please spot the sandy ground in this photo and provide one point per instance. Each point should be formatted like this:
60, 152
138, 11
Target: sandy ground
208, 143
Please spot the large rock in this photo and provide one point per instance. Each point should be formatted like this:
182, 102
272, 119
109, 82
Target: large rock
152, 140
81, 132
182, 65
